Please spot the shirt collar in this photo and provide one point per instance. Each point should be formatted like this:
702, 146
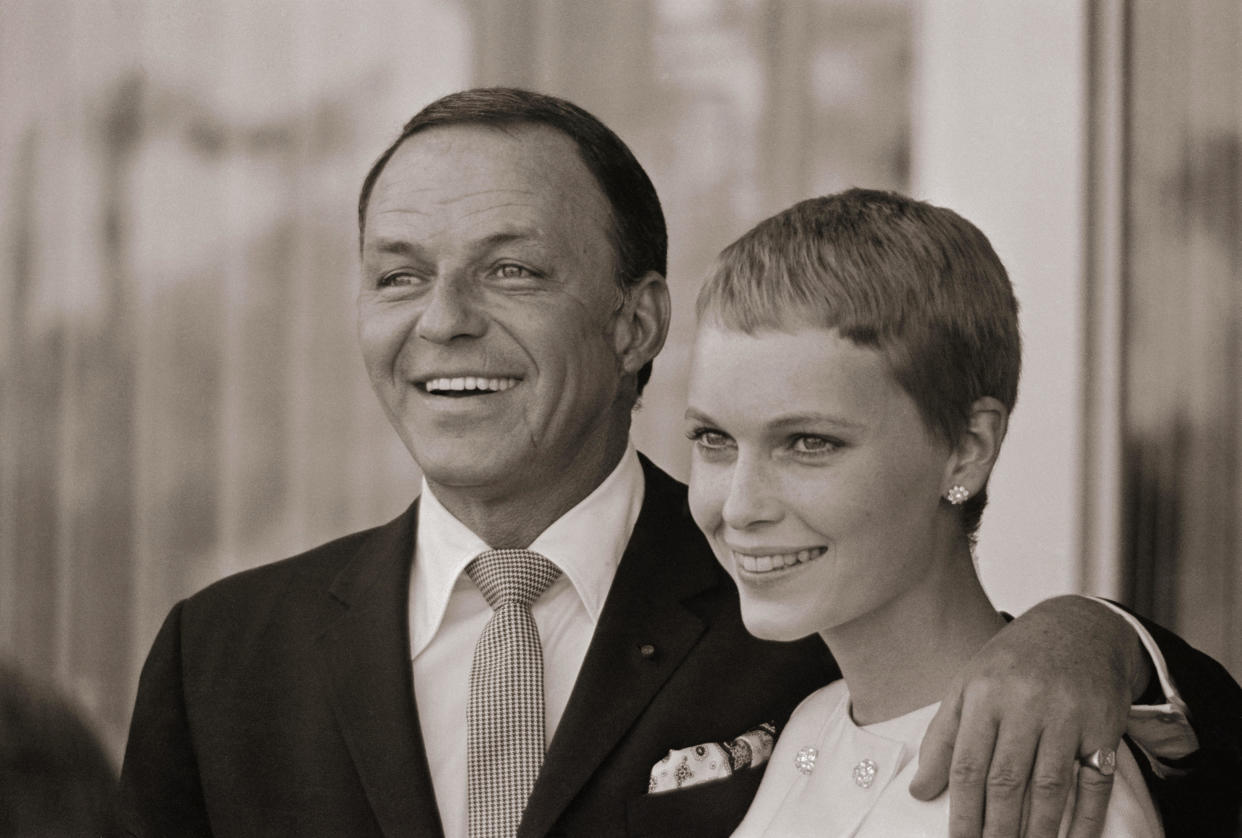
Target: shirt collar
586, 543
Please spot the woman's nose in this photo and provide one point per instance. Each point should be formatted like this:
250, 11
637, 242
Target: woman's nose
751, 499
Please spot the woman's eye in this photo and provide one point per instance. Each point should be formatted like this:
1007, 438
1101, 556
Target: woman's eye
709, 439
814, 445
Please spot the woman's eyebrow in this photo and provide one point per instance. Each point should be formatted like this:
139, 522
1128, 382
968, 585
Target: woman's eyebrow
788, 420
791, 420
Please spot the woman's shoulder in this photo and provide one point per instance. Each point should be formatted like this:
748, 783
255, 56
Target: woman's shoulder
820, 705
790, 763
1131, 812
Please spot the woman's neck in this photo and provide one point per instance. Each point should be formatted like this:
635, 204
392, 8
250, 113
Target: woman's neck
904, 655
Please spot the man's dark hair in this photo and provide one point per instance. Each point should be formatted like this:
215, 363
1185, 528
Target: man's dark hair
639, 235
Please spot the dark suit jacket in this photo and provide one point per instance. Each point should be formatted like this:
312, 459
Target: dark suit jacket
280, 701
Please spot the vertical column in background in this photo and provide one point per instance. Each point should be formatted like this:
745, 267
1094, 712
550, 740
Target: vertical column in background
98, 492
999, 136
1183, 340
33, 353
177, 214
1102, 570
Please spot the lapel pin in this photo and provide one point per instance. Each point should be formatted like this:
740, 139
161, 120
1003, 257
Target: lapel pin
647, 651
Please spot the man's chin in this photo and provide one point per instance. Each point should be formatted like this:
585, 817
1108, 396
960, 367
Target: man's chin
464, 476
463, 468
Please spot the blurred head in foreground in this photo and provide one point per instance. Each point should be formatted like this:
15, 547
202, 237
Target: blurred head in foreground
55, 779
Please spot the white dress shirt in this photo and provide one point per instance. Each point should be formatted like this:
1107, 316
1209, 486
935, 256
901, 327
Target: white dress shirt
1161, 731
447, 614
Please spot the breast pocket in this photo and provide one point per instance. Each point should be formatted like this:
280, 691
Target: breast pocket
711, 809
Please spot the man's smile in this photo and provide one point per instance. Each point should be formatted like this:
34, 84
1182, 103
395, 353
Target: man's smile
466, 385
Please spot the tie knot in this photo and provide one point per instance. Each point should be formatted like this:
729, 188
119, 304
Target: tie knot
512, 576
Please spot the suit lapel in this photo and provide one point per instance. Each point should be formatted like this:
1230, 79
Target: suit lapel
366, 662
617, 681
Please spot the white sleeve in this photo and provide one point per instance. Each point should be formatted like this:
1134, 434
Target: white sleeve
1161, 731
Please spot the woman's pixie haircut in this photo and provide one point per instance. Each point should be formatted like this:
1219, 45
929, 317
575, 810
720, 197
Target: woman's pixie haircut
915, 281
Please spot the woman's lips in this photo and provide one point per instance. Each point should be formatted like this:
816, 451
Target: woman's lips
755, 561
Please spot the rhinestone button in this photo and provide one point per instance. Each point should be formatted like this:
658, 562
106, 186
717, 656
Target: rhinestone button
864, 773
804, 760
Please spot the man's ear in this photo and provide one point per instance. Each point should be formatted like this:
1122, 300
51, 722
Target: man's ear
641, 322
978, 446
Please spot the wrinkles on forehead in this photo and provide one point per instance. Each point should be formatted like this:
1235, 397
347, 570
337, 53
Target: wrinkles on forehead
424, 205
473, 161
454, 196
406, 233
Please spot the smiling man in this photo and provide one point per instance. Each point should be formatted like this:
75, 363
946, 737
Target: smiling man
494, 330
543, 642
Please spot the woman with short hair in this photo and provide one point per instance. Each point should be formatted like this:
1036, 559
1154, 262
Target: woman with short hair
855, 365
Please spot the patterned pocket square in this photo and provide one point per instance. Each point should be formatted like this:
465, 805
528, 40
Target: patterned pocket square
712, 760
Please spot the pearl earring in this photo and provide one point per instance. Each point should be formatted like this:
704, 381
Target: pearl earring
957, 494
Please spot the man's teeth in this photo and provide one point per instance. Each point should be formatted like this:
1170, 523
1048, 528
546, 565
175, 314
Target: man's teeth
777, 561
470, 382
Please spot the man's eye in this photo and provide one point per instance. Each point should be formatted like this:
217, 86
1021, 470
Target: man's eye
511, 271
397, 279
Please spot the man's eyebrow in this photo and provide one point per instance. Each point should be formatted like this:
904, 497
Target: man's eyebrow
396, 247
404, 247
506, 237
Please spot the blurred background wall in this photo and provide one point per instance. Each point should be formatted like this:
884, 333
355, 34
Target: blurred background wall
180, 392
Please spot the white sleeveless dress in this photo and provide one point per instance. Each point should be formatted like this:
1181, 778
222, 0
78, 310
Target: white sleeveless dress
859, 782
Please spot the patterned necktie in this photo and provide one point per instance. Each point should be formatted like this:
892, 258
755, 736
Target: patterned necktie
504, 718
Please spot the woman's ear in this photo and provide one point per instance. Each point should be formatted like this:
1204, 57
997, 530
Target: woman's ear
641, 322
978, 446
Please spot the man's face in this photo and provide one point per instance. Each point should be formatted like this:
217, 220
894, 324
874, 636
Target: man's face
488, 309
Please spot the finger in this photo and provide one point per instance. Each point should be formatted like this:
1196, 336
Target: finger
1091, 805
1006, 780
968, 773
1051, 779
936, 751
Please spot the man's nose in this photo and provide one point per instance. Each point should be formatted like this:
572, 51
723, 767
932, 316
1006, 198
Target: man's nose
451, 312
751, 499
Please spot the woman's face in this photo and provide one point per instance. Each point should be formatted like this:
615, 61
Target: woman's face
813, 477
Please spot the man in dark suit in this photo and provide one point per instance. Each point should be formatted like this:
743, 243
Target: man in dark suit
512, 300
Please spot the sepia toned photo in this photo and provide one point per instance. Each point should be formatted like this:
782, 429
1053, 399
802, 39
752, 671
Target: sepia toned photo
669, 417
